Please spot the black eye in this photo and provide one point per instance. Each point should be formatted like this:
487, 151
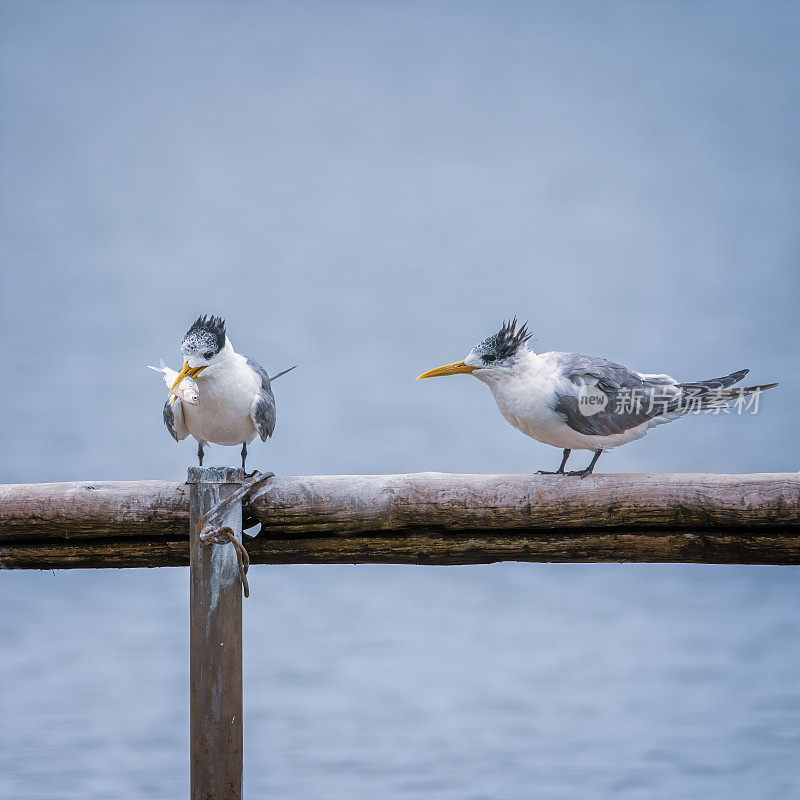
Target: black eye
489, 359
208, 355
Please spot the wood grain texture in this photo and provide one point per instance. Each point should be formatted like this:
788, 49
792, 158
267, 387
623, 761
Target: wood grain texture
731, 547
348, 503
90, 509
426, 518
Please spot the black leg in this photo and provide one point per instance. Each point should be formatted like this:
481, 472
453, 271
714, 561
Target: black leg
588, 471
560, 470
200, 452
244, 454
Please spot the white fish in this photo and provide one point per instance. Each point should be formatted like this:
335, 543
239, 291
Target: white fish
186, 390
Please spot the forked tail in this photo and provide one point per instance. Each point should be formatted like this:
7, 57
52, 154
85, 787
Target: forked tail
716, 392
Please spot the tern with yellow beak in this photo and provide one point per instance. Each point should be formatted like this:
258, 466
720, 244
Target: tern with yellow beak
234, 396
583, 402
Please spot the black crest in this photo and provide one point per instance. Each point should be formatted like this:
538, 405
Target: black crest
504, 343
208, 328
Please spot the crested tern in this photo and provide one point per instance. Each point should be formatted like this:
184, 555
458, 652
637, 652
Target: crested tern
234, 396
578, 402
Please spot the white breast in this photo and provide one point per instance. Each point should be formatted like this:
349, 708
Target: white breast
226, 394
525, 399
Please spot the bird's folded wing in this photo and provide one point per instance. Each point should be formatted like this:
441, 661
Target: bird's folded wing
631, 398
173, 419
262, 411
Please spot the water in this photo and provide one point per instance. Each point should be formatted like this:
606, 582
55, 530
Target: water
511, 681
367, 190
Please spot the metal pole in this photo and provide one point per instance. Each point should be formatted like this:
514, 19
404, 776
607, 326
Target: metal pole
215, 643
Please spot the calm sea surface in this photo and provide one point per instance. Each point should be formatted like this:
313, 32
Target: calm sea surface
367, 190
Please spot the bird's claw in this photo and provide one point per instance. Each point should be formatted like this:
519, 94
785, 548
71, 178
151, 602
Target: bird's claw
550, 472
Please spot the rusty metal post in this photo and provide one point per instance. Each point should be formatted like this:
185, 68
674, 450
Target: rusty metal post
215, 643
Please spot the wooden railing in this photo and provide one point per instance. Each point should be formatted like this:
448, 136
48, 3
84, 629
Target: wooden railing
425, 518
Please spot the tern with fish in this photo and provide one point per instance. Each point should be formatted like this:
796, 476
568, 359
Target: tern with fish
233, 393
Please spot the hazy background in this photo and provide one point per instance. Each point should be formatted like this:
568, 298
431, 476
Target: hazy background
367, 190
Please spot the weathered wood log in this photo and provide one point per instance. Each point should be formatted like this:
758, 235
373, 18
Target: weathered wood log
703, 547
427, 518
447, 502
93, 509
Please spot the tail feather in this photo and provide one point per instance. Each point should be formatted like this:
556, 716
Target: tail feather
750, 389
693, 399
714, 393
711, 384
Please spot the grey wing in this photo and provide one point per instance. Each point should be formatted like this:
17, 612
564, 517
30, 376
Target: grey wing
173, 419
262, 411
626, 398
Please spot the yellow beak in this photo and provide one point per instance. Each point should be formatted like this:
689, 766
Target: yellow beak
448, 369
192, 372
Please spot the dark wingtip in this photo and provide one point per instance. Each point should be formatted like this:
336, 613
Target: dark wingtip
283, 373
